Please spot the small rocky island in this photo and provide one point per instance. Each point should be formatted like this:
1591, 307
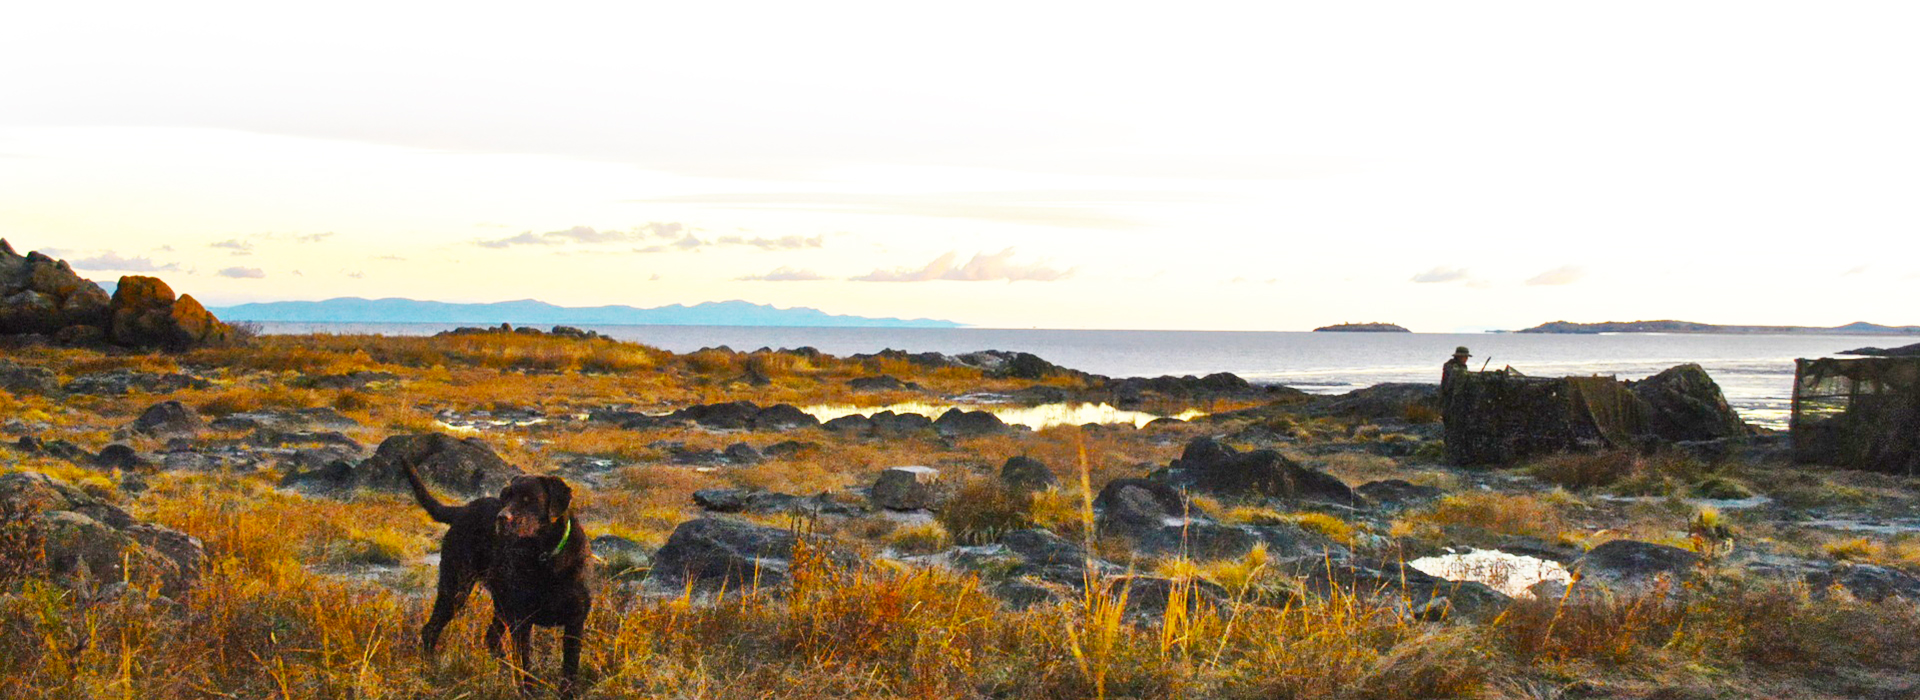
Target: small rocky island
1857, 328
1363, 328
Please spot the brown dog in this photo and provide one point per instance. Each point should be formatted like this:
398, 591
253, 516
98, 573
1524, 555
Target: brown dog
531, 554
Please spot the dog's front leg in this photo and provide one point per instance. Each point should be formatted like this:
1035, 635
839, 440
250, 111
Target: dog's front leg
523, 655
570, 656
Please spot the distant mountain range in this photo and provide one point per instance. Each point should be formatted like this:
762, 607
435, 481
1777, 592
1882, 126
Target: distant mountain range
1860, 328
529, 311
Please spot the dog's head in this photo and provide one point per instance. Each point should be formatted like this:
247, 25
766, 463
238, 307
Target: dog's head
532, 502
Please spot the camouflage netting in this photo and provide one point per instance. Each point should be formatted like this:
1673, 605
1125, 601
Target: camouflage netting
1502, 416
1858, 413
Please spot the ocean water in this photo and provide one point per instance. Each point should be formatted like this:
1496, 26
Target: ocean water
1755, 371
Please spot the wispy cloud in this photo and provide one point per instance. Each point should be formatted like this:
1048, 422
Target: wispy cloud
1565, 274
692, 243
245, 273
1442, 275
983, 267
590, 235
1066, 208
113, 262
784, 274
244, 245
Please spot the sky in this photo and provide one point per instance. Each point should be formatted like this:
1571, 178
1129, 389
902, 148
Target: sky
1205, 166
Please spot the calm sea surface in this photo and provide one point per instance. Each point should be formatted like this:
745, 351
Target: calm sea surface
1755, 371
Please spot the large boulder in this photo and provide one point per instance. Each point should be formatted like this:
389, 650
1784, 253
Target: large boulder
88, 543
147, 314
1391, 401
715, 553
1687, 405
1139, 507
1209, 466
464, 466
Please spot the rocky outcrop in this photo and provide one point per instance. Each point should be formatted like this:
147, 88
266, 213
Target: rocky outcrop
88, 543
759, 502
1209, 466
1383, 402
958, 423
43, 296
466, 467
1633, 566
1902, 351
736, 415
21, 380
1687, 405
1139, 507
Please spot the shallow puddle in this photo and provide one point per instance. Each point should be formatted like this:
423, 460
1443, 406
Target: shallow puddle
1036, 417
1511, 574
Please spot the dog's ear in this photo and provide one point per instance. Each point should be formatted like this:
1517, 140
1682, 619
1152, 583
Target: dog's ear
559, 496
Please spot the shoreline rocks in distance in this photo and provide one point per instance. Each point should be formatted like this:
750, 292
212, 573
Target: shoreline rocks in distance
1902, 351
43, 297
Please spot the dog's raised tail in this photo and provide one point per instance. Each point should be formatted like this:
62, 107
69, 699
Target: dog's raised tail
440, 512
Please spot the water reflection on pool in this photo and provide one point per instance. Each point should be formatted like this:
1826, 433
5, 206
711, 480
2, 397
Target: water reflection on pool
1036, 417
1507, 573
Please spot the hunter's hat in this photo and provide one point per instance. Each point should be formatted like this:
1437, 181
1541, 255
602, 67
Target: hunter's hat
1461, 352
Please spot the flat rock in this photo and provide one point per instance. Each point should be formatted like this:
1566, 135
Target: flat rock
906, 488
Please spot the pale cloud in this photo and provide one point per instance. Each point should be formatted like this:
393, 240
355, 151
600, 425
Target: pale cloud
1856, 271
356, 275
1062, 208
1565, 274
691, 242
983, 267
784, 274
590, 235
245, 273
112, 261
239, 247
1442, 275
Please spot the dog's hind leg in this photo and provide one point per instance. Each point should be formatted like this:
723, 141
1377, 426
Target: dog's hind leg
495, 630
446, 603
570, 640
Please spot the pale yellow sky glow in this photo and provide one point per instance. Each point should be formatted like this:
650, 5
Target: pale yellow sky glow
1269, 166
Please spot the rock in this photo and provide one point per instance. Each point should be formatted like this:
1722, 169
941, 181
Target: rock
712, 553
1215, 468
782, 417
958, 423
268, 437
117, 456
855, 424
1149, 597
121, 382
1397, 493
466, 467
890, 424
1035, 553
1633, 566
1902, 351
1383, 402
880, 383
1199, 540
1433, 596
303, 419
57, 449
21, 380
742, 454
767, 503
787, 448
356, 380
89, 543
906, 488
1137, 507
40, 295
1024, 474
1868, 582
146, 314
1687, 405
168, 418
331, 478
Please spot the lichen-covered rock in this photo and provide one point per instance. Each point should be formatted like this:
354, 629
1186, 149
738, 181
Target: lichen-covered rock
147, 314
41, 295
1687, 406
88, 543
713, 553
